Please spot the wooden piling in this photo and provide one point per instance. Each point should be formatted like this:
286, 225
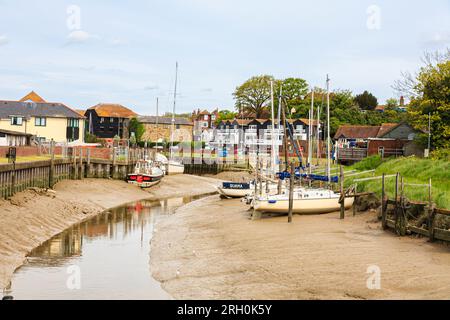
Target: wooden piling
341, 187
52, 164
431, 213
383, 201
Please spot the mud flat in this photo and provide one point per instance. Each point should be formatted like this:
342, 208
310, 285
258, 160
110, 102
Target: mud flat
30, 218
209, 249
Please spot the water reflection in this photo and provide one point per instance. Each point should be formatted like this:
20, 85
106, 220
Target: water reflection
111, 250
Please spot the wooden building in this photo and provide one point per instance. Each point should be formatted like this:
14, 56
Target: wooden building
107, 120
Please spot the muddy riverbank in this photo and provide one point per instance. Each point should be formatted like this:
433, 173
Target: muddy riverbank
210, 249
32, 217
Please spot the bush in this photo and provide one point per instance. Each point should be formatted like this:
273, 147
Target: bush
441, 154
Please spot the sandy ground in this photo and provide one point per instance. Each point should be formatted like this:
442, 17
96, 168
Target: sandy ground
210, 249
34, 216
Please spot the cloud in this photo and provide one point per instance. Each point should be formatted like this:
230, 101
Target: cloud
80, 36
3, 40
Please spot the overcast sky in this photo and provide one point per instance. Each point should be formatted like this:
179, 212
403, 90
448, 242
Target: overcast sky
125, 51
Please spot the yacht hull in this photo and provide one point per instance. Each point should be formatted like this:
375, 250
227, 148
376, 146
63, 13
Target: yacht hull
302, 206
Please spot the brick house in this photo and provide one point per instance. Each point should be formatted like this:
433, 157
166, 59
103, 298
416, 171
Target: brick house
159, 128
390, 139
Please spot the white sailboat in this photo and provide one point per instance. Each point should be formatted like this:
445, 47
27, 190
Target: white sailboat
306, 200
174, 167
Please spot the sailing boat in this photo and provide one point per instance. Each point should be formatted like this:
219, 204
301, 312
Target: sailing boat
174, 166
306, 200
247, 189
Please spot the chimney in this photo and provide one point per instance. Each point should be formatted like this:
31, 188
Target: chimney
402, 101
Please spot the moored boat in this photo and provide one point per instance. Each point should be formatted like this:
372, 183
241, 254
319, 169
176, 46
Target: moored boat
145, 174
235, 189
305, 201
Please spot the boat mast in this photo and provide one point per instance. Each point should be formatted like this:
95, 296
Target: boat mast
328, 132
172, 128
273, 129
318, 132
157, 120
310, 131
279, 124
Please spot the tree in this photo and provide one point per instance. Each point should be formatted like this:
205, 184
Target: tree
391, 104
136, 127
366, 101
254, 94
294, 89
225, 115
433, 98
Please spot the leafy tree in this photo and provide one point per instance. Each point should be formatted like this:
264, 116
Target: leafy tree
254, 94
136, 127
366, 101
391, 104
225, 115
433, 97
294, 89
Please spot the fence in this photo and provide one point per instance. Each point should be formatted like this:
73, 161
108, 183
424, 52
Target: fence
17, 177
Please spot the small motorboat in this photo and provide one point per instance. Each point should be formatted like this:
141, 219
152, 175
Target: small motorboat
235, 189
145, 174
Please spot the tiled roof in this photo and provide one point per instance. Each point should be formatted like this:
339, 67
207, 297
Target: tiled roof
242, 122
306, 121
33, 109
81, 112
112, 110
33, 96
164, 120
357, 132
385, 128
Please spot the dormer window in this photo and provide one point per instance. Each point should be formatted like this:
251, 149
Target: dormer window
16, 121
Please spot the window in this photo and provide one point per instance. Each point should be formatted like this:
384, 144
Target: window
111, 120
40, 122
178, 126
205, 117
2, 135
102, 120
73, 123
16, 121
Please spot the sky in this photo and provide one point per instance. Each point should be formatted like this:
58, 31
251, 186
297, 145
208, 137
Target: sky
85, 52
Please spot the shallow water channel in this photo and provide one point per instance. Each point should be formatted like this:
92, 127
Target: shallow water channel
105, 257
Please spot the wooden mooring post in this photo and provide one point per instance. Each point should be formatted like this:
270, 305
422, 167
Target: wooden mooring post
383, 202
341, 187
431, 213
52, 165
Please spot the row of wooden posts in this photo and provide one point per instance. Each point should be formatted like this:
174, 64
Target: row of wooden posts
399, 202
16, 177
